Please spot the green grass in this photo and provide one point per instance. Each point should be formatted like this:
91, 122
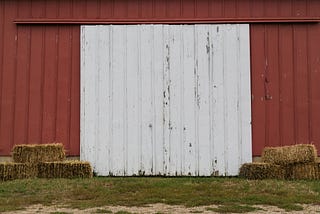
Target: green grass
139, 191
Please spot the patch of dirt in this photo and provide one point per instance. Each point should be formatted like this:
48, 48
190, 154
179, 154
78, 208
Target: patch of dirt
157, 208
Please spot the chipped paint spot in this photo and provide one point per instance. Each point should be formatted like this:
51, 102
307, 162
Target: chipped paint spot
208, 44
215, 173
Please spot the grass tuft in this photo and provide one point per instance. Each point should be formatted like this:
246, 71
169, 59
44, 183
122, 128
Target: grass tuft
103, 211
233, 208
122, 212
291, 207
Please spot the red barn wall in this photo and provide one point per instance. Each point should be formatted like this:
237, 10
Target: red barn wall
40, 63
285, 72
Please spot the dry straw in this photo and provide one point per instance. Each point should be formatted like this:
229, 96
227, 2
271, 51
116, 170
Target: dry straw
262, 171
286, 155
35, 153
11, 171
65, 169
306, 171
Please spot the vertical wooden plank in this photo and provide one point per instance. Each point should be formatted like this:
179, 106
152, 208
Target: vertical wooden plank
24, 9
120, 9
158, 117
189, 101
166, 100
175, 100
93, 9
51, 8
144, 69
35, 90
88, 95
272, 85
146, 46
299, 8
102, 60
286, 93
257, 8
125, 102
201, 8
63, 87
75, 94
313, 8
230, 9
22, 81
271, 8
133, 9
218, 122
110, 102
8, 75
119, 107
188, 9
50, 85
37, 9
147, 10
244, 8
22, 76
65, 9
173, 8
285, 8
301, 84
217, 8
244, 125
209, 50
79, 9
204, 113
2, 37
133, 81
258, 63
196, 99
106, 9
160, 8
231, 100
96, 108
314, 77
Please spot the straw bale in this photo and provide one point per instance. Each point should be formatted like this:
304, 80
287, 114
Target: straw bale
35, 153
11, 171
65, 169
301, 153
306, 171
262, 171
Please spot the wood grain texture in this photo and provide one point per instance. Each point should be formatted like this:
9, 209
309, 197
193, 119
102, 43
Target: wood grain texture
165, 99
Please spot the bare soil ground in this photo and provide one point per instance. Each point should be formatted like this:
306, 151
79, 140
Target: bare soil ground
156, 209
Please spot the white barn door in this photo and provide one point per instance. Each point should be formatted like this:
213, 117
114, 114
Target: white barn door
165, 99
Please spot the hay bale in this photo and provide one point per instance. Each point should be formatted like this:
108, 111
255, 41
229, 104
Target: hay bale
35, 153
301, 153
11, 171
262, 171
306, 171
65, 169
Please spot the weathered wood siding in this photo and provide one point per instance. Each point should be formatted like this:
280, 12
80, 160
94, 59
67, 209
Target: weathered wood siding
165, 99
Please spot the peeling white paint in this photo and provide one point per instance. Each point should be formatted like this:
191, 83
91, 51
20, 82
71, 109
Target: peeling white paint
165, 99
